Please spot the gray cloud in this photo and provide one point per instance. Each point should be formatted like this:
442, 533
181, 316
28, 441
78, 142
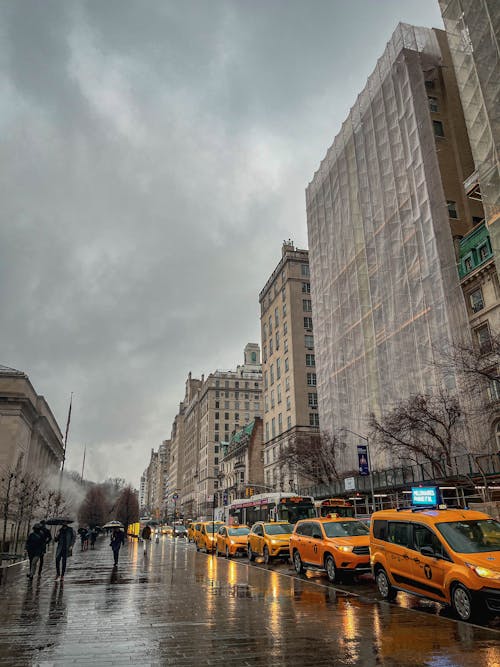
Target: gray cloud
154, 156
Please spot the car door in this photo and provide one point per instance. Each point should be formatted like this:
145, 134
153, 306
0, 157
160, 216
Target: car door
303, 541
221, 539
316, 544
255, 538
429, 572
399, 554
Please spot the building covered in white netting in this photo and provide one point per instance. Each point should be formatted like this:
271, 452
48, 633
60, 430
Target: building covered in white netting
383, 212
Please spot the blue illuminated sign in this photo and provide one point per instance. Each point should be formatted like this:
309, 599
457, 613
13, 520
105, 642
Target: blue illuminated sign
424, 495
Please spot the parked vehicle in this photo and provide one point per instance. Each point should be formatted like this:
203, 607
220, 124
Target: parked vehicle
180, 531
448, 555
231, 540
205, 538
337, 545
270, 540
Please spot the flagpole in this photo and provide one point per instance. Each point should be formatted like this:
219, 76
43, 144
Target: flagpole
83, 464
65, 441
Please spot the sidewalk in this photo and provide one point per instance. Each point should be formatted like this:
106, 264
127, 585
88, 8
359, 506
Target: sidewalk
179, 607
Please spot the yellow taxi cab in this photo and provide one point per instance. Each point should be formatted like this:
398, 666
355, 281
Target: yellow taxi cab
167, 530
338, 545
269, 539
231, 540
205, 537
448, 555
190, 533
196, 531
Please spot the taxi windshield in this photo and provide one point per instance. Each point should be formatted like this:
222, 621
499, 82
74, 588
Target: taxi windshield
238, 531
470, 537
345, 529
279, 529
210, 527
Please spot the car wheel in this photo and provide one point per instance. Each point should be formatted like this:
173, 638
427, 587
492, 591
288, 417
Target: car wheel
251, 554
384, 585
197, 546
297, 563
267, 556
330, 568
228, 555
461, 601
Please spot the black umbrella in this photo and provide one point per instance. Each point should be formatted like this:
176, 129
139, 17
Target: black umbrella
58, 521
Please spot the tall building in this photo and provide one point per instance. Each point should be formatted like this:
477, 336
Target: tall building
229, 400
473, 31
384, 211
288, 362
242, 463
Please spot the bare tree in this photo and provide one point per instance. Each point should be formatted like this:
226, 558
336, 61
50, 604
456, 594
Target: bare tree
423, 428
127, 507
94, 509
314, 456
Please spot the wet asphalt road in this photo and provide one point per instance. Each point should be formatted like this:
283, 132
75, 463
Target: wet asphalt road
179, 607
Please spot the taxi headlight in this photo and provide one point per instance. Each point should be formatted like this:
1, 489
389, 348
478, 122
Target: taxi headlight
275, 543
484, 572
231, 542
346, 549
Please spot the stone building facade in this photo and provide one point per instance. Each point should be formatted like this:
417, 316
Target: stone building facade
288, 363
242, 463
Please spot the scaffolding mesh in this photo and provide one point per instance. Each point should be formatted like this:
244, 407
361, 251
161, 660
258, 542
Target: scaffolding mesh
473, 30
384, 281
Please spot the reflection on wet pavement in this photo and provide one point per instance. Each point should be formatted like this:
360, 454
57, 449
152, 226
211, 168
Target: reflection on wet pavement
176, 606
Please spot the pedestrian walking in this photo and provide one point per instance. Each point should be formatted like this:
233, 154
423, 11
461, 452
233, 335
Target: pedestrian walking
84, 538
47, 540
65, 539
146, 536
93, 537
117, 539
35, 544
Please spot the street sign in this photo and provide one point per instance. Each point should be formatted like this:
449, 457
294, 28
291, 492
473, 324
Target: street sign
224, 498
350, 484
363, 460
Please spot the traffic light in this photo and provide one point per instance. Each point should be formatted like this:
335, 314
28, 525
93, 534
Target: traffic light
249, 491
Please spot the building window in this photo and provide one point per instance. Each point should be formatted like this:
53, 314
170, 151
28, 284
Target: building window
483, 338
452, 209
226, 427
278, 391
494, 393
311, 379
285, 328
272, 373
226, 405
216, 462
278, 369
216, 437
270, 325
276, 317
312, 400
217, 404
309, 342
476, 300
272, 398
256, 406
216, 415
304, 269
265, 379
277, 336
236, 405
310, 360
267, 431
273, 427
285, 345
438, 128
313, 419
280, 423
287, 384
217, 383
271, 347
306, 305
247, 405
468, 264
484, 251
286, 365
237, 417
264, 332
433, 104
216, 427
283, 294
226, 415
236, 386
284, 310
306, 288
283, 276
308, 323
288, 403
289, 421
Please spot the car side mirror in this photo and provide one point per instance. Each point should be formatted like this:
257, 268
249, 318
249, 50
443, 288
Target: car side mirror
428, 551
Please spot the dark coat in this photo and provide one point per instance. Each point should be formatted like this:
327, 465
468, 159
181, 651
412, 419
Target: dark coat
47, 537
65, 539
146, 533
117, 539
35, 544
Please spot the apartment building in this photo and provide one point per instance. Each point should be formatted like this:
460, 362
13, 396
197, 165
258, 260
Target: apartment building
385, 210
473, 31
242, 463
229, 400
288, 363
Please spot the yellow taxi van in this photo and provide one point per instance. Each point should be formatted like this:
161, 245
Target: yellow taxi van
270, 539
448, 555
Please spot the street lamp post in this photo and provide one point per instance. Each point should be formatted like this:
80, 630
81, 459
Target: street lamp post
370, 472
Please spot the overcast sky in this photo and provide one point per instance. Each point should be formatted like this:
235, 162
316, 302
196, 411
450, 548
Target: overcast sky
154, 155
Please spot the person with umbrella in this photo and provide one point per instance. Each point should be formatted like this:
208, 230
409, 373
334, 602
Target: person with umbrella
117, 539
47, 540
35, 545
65, 539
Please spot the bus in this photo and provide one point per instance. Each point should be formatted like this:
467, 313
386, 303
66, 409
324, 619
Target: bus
270, 507
339, 506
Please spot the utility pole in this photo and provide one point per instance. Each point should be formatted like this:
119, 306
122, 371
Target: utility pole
65, 441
